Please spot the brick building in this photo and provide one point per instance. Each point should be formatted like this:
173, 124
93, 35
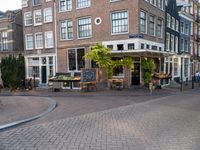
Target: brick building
39, 39
129, 27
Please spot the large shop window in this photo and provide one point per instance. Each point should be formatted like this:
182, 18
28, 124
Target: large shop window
75, 59
118, 71
186, 66
175, 66
33, 67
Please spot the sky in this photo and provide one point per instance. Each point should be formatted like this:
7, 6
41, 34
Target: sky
9, 5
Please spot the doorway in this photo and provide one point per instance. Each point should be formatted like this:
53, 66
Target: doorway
44, 74
135, 79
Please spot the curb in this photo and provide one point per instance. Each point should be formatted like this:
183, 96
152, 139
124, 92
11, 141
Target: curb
52, 106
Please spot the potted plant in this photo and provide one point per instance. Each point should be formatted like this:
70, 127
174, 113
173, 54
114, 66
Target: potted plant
147, 67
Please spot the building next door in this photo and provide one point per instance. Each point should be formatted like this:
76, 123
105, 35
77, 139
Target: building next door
44, 74
135, 79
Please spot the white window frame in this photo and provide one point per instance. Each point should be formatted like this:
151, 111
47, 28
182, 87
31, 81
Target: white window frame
66, 26
25, 18
27, 41
126, 32
145, 22
80, 7
65, 9
48, 18
40, 23
87, 17
47, 40
36, 46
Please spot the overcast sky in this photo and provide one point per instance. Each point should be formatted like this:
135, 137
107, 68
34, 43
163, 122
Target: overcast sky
9, 4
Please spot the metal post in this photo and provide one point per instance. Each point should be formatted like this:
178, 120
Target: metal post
192, 81
181, 87
34, 80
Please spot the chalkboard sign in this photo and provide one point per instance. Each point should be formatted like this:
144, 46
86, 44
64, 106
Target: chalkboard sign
88, 75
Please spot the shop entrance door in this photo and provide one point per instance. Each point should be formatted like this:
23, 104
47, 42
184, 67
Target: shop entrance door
136, 74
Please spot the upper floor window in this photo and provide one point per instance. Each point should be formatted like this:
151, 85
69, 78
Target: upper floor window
143, 22
65, 5
167, 41
4, 40
48, 15
66, 29
37, 17
84, 27
29, 41
159, 27
152, 25
38, 40
119, 22
182, 27
177, 25
28, 18
186, 29
173, 23
168, 20
36, 2
83, 3
160, 4
153, 2
49, 39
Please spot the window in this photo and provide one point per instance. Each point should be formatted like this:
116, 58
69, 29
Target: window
160, 4
83, 3
182, 27
177, 25
110, 47
119, 22
38, 41
143, 22
4, 40
182, 45
84, 27
167, 41
75, 59
29, 41
65, 5
172, 43
49, 39
36, 2
168, 20
186, 66
120, 47
152, 2
131, 46
173, 23
186, 29
28, 18
33, 67
175, 66
51, 72
186, 45
176, 44
152, 25
66, 29
159, 27
48, 15
142, 46
37, 17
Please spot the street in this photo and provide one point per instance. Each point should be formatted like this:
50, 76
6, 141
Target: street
166, 123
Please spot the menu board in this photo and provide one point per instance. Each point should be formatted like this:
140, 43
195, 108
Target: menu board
88, 75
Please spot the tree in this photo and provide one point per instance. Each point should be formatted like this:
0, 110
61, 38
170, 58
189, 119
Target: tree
147, 67
103, 57
12, 71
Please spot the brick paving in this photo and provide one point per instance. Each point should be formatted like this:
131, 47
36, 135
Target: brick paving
168, 123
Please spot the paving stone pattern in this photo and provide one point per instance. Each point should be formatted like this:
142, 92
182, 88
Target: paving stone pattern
170, 123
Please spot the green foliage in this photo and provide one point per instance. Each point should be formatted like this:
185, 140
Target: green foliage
12, 71
147, 67
103, 57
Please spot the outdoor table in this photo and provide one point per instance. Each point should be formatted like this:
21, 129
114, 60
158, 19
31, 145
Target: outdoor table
88, 86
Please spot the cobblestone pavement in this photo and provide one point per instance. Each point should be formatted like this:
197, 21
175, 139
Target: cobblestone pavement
168, 123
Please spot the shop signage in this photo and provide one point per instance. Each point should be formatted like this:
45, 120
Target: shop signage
131, 36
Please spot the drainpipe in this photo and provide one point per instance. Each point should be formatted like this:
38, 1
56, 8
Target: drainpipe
55, 35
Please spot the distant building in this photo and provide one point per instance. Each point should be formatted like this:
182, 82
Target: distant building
11, 34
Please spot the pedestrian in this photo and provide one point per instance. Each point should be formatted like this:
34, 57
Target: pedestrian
197, 76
